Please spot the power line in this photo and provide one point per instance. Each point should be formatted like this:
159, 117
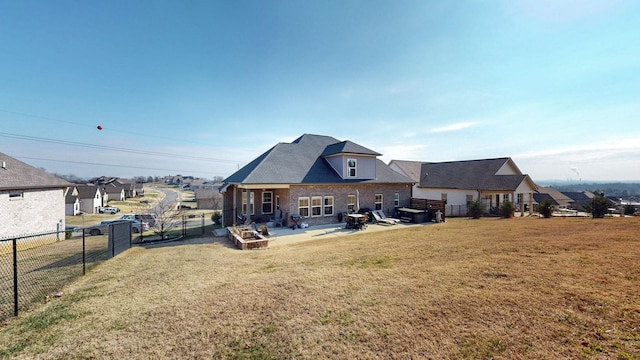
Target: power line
85, 125
112, 148
113, 165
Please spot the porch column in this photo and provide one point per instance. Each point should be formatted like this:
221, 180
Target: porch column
521, 202
248, 214
530, 203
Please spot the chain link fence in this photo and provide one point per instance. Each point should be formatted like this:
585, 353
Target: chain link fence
35, 267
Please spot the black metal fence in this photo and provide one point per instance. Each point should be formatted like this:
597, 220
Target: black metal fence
35, 267
193, 225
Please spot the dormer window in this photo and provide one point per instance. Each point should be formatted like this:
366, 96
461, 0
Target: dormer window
351, 167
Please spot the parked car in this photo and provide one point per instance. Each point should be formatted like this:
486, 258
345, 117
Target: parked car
103, 228
109, 210
148, 218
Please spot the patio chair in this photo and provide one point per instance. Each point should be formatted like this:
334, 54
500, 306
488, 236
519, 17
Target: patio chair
382, 221
383, 216
277, 219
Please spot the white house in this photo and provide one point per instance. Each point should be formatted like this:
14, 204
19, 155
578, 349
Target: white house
72, 202
31, 200
90, 198
458, 183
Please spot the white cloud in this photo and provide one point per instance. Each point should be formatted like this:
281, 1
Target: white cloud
403, 152
453, 127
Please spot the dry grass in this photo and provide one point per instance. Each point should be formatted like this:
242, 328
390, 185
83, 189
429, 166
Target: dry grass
505, 289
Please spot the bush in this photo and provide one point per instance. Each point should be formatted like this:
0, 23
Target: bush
475, 209
546, 208
598, 206
507, 209
216, 217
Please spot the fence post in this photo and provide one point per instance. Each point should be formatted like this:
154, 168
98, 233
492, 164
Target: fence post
15, 276
202, 224
84, 254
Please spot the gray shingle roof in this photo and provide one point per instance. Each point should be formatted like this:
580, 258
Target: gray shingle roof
17, 175
471, 174
302, 162
411, 168
347, 147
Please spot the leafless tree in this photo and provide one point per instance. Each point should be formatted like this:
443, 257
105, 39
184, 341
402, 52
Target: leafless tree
167, 218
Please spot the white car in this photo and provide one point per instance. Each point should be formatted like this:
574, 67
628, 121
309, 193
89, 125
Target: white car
109, 210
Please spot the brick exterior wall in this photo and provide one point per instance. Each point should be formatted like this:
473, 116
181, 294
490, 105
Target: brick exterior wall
37, 211
289, 200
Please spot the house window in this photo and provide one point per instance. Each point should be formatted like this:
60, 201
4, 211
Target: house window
396, 199
316, 206
303, 206
244, 203
16, 195
351, 167
328, 205
443, 197
378, 204
351, 203
267, 202
505, 197
469, 198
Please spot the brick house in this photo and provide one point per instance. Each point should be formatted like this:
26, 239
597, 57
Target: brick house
315, 176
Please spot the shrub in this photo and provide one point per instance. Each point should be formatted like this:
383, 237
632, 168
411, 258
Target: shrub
546, 208
475, 209
597, 206
507, 209
216, 217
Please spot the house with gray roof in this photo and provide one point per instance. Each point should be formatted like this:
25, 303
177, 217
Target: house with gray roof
317, 177
31, 200
91, 198
579, 198
558, 199
458, 183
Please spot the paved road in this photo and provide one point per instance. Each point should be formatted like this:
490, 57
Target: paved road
169, 200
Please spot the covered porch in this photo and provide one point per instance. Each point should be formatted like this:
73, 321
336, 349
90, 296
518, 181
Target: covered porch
245, 203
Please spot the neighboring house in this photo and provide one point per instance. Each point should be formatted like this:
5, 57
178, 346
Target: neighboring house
579, 198
458, 183
317, 177
114, 192
91, 198
31, 200
128, 186
71, 201
208, 198
139, 188
558, 199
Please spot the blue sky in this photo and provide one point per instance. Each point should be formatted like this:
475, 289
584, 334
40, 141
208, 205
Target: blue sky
553, 84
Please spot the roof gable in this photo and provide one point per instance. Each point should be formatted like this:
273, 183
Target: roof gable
16, 175
347, 147
409, 168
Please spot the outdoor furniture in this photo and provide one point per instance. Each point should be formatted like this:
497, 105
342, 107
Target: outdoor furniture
355, 221
385, 217
382, 221
277, 219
